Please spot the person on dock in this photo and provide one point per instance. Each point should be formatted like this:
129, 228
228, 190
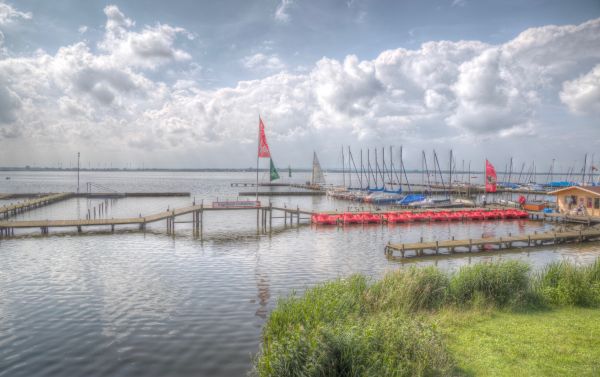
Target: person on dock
483, 200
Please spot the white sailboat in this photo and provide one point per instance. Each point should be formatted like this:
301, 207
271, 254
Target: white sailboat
318, 178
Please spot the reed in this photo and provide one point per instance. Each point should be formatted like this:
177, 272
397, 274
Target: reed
565, 284
410, 290
491, 284
351, 327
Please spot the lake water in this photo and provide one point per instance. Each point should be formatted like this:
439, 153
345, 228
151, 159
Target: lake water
146, 304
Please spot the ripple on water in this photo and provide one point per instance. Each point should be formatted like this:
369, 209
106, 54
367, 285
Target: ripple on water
135, 304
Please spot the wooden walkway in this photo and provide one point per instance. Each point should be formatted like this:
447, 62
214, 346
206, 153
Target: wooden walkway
527, 240
565, 218
264, 219
14, 209
283, 193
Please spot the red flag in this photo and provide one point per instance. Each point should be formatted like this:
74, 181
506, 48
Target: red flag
490, 177
263, 147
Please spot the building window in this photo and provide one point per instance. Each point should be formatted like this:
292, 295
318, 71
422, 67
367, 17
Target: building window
597, 203
589, 202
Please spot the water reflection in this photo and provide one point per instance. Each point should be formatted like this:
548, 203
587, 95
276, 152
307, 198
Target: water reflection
144, 304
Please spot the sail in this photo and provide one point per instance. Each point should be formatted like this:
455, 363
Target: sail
317, 174
273, 174
490, 177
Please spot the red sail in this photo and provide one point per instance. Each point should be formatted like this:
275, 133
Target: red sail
490, 177
263, 147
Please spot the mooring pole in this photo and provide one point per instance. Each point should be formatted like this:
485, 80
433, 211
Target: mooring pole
270, 217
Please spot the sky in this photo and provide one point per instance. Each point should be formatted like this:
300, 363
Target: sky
181, 84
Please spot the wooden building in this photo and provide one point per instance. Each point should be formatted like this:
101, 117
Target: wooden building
578, 200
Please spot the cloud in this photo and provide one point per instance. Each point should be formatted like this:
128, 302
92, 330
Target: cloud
262, 62
150, 48
82, 29
8, 14
282, 11
441, 93
582, 95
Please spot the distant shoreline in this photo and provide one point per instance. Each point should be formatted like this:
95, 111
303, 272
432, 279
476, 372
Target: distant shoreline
225, 170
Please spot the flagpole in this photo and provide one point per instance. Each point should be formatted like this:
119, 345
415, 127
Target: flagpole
257, 153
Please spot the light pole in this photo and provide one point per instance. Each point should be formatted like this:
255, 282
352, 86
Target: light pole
78, 172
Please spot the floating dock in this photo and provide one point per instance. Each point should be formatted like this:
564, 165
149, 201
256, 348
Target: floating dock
469, 245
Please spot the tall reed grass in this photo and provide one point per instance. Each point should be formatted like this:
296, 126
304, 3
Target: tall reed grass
352, 327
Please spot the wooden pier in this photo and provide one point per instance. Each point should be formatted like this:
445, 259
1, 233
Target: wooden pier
40, 200
565, 218
264, 220
469, 245
14, 209
282, 193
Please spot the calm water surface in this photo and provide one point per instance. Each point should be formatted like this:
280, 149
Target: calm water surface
144, 304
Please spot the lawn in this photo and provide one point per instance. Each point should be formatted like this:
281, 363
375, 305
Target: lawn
559, 342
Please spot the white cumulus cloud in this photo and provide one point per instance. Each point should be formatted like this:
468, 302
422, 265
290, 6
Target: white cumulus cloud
441, 93
582, 95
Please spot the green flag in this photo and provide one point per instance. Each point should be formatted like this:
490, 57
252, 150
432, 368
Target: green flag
273, 172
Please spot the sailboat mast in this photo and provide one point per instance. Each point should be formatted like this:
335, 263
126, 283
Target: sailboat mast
368, 168
399, 179
383, 166
469, 185
437, 163
403, 170
343, 169
583, 170
312, 179
361, 169
591, 179
349, 168
450, 180
376, 170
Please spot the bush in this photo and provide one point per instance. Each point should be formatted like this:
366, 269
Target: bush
494, 284
563, 283
412, 289
376, 346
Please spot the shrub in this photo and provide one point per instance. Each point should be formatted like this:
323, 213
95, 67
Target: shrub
496, 284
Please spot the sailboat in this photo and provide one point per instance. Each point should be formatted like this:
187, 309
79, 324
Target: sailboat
317, 178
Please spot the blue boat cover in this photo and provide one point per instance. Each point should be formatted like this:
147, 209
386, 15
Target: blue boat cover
560, 184
410, 198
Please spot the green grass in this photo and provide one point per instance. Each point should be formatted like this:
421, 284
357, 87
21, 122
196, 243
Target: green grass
558, 342
485, 319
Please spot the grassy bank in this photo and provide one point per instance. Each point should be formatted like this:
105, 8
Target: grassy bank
558, 342
486, 319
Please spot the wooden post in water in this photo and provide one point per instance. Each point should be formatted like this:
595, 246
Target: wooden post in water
270, 217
